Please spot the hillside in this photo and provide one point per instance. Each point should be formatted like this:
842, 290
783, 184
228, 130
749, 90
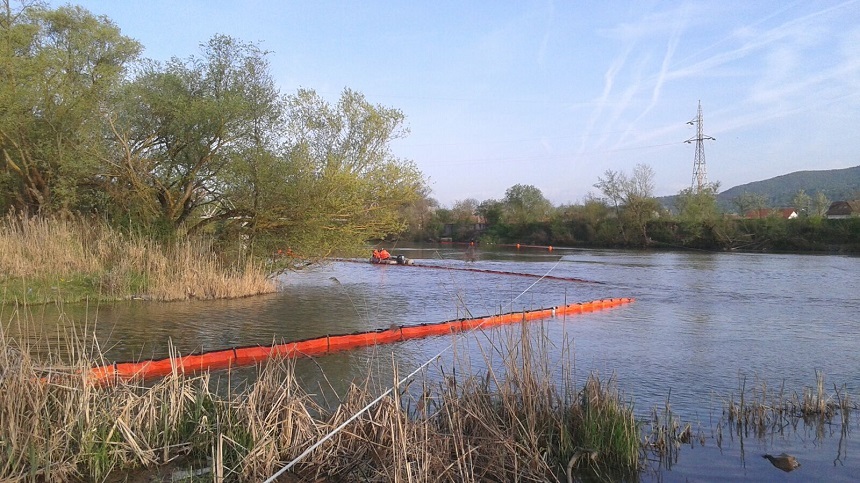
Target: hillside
836, 184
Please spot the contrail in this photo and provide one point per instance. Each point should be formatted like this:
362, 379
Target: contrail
608, 81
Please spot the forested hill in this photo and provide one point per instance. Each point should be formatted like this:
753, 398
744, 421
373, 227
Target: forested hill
836, 184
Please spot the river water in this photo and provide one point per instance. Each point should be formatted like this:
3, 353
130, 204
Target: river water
703, 326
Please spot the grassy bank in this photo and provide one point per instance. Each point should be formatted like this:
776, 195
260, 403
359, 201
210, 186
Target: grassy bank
53, 259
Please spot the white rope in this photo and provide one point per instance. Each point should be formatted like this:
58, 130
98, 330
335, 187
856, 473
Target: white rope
535, 283
352, 418
389, 390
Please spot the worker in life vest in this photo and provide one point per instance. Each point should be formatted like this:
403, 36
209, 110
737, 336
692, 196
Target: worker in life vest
384, 255
375, 256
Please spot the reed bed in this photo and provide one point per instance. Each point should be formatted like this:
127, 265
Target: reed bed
72, 259
761, 411
665, 434
514, 423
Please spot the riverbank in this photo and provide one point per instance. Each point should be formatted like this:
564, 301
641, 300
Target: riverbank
764, 235
46, 260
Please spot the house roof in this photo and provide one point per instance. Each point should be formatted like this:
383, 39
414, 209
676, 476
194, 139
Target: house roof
766, 212
844, 208
787, 212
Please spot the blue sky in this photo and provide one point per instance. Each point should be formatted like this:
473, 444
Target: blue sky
553, 94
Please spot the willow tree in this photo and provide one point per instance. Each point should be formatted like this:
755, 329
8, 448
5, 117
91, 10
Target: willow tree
525, 204
209, 141
420, 217
339, 183
182, 127
802, 203
746, 202
820, 204
57, 71
702, 221
640, 206
254, 174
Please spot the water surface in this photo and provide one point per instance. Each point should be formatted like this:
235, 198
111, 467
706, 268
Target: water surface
703, 325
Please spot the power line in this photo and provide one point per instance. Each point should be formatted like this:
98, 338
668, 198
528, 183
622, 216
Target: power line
541, 157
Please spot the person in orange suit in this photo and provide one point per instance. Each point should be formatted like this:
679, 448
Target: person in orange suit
384, 255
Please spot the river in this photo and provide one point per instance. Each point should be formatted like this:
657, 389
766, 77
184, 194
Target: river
703, 325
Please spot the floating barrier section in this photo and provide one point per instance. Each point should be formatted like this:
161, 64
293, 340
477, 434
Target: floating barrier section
245, 356
480, 270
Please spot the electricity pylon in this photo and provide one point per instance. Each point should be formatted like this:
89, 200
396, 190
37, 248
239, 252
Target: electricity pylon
700, 175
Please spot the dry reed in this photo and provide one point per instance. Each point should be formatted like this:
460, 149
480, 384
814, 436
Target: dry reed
761, 411
515, 423
666, 434
71, 259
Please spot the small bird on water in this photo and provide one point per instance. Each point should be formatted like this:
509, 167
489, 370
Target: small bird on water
783, 461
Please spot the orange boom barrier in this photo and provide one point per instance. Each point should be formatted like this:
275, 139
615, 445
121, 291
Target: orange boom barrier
245, 356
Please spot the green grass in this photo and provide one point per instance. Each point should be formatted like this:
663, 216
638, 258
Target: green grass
76, 287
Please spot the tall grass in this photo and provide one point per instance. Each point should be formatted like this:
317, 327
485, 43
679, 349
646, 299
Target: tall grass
71, 259
531, 421
513, 423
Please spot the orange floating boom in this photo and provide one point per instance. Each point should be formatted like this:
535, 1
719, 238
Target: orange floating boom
245, 356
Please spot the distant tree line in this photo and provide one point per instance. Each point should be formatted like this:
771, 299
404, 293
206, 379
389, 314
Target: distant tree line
626, 214
204, 144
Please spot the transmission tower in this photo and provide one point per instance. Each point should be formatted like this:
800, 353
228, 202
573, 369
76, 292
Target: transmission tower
700, 175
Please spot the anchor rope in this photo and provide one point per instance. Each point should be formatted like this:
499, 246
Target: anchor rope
388, 391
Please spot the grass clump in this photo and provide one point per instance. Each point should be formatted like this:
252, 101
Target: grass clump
73, 259
56, 425
761, 411
529, 422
